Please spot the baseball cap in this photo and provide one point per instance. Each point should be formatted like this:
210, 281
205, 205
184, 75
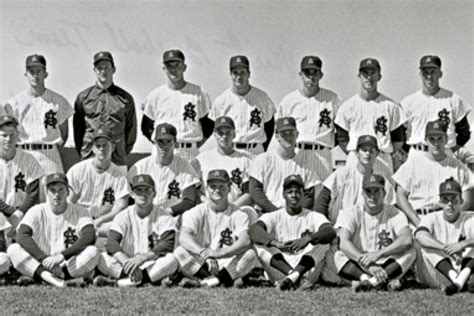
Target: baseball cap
218, 174
224, 121
165, 131
142, 180
285, 124
239, 61
450, 186
103, 132
8, 119
369, 63
373, 181
367, 140
173, 55
103, 56
430, 61
56, 177
311, 62
293, 179
35, 60
437, 127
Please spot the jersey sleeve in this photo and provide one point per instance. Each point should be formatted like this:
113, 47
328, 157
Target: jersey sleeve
31, 217
398, 222
268, 109
166, 223
331, 183
5, 225
74, 181
403, 176
318, 220
120, 223
342, 117
123, 187
204, 103
132, 172
427, 222
149, 105
397, 118
34, 169
65, 110
215, 111
256, 169
269, 220
241, 222
192, 219
83, 218
311, 178
469, 225
189, 176
460, 108
347, 219
465, 177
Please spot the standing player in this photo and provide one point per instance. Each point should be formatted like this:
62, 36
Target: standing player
375, 241
292, 242
180, 103
140, 242
42, 115
250, 108
269, 170
432, 103
98, 184
105, 105
175, 179
55, 239
370, 113
314, 109
214, 241
447, 240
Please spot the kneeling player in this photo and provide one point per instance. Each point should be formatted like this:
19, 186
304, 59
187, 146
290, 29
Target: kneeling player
375, 241
447, 240
55, 238
292, 241
215, 245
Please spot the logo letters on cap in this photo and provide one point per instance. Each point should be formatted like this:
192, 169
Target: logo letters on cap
171, 54
163, 130
310, 61
239, 60
286, 121
223, 120
56, 176
436, 125
35, 58
428, 60
368, 139
448, 186
373, 179
101, 55
140, 179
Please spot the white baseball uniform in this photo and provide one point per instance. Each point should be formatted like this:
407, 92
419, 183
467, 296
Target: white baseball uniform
5, 228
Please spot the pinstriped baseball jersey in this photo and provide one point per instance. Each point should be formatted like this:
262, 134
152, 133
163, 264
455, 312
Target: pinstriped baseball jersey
16, 174
170, 180
97, 189
182, 108
447, 232
421, 178
372, 232
345, 185
287, 227
5, 225
40, 117
237, 165
271, 169
314, 116
54, 233
215, 230
140, 235
250, 112
377, 118
419, 109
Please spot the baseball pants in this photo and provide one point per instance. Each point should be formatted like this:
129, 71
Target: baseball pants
329, 271
4, 263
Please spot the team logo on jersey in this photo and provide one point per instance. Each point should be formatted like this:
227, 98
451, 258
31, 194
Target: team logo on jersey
50, 119
189, 112
255, 118
173, 190
381, 125
226, 238
236, 176
108, 196
70, 237
324, 118
20, 183
443, 115
462, 238
153, 240
384, 239
307, 232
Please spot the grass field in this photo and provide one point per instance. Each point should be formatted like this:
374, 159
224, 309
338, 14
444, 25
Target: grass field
158, 300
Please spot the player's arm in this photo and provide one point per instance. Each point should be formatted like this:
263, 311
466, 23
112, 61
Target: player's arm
325, 234
86, 238
269, 129
3, 242
119, 205
424, 237
259, 235
130, 125
166, 243
79, 124
308, 199
403, 242
64, 131
147, 127
24, 237
342, 138
347, 246
463, 133
398, 137
114, 248
187, 240
259, 197
245, 198
322, 202
32, 198
405, 206
241, 244
207, 126
468, 197
189, 200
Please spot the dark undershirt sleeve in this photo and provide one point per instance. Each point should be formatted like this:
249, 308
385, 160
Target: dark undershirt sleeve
113, 243
324, 235
342, 135
166, 243
309, 198
207, 126
87, 238
322, 201
463, 133
259, 197
24, 238
6, 209
79, 124
259, 235
188, 201
245, 187
3, 242
269, 128
147, 127
398, 134
32, 196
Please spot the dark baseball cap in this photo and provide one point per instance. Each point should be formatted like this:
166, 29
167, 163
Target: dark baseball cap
239, 61
103, 56
450, 186
8, 119
430, 61
437, 127
369, 63
165, 131
311, 62
173, 55
285, 124
144, 180
218, 174
35, 60
224, 121
367, 140
103, 132
293, 179
373, 181
56, 177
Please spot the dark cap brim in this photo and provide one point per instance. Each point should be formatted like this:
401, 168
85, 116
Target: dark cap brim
217, 179
172, 59
102, 59
310, 67
373, 185
164, 137
223, 125
134, 186
367, 144
103, 136
35, 64
429, 65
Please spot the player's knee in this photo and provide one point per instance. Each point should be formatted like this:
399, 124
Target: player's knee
14, 249
92, 252
4, 262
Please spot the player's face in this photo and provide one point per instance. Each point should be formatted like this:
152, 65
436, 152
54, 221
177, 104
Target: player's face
240, 77
102, 149
36, 76
287, 139
8, 137
224, 136
311, 78
436, 144
374, 197
369, 78
293, 196
367, 155
217, 190
430, 77
57, 193
104, 70
165, 147
143, 195
174, 70
451, 204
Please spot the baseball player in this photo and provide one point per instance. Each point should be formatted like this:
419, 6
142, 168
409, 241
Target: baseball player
214, 241
447, 241
5, 263
250, 108
105, 105
375, 241
42, 115
370, 113
98, 184
292, 241
20, 174
416, 179
432, 103
269, 170
140, 242
55, 239
175, 179
183, 104
314, 109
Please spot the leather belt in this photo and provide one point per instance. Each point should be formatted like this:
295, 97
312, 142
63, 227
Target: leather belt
420, 147
245, 145
425, 211
36, 146
310, 146
185, 145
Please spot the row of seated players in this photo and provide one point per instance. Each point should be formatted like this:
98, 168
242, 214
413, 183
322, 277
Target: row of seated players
217, 242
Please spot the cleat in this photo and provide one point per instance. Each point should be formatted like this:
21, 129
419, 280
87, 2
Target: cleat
189, 283
285, 285
76, 282
306, 285
210, 282
25, 281
127, 282
240, 283
451, 289
470, 284
102, 280
394, 285
361, 286
172, 280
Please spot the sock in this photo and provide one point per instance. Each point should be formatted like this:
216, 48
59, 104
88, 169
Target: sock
306, 263
392, 268
462, 278
225, 278
37, 274
203, 272
67, 275
446, 268
145, 277
467, 263
352, 271
279, 263
294, 276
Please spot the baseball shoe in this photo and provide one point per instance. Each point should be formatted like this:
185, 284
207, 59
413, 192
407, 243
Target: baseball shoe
210, 282
470, 284
172, 280
361, 286
76, 282
306, 285
189, 283
102, 280
127, 282
394, 285
240, 283
451, 289
24, 280
285, 285
3, 281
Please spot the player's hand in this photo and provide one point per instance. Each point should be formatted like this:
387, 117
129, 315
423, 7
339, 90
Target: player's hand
136, 275
212, 265
133, 264
208, 253
283, 246
51, 261
454, 248
298, 244
57, 271
379, 273
369, 258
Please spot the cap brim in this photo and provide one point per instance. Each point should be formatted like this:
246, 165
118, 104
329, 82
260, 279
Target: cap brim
61, 181
134, 186
165, 137
286, 128
216, 179
310, 67
102, 59
103, 136
367, 144
435, 133
369, 67
172, 59
287, 184
450, 192
223, 125
239, 65
372, 186
429, 65
35, 64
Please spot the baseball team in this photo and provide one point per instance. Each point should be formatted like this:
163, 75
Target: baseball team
265, 202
